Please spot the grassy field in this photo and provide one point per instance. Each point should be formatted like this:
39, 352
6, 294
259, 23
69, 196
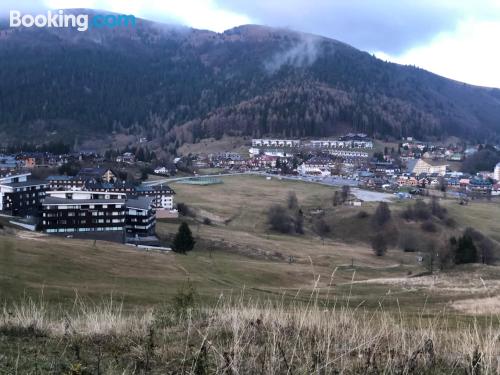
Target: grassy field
237, 252
250, 299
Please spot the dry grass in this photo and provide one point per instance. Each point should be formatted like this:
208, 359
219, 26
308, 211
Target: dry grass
238, 337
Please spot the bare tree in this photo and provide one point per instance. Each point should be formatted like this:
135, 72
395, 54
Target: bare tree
292, 201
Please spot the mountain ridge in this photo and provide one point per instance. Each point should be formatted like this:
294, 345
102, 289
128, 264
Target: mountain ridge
179, 84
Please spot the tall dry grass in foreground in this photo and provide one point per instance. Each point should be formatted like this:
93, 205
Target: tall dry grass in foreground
237, 337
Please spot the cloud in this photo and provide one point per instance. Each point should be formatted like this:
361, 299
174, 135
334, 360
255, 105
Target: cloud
466, 55
303, 53
392, 26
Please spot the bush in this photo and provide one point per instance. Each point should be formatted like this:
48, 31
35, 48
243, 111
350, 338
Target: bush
450, 222
184, 209
408, 213
362, 215
429, 226
421, 210
379, 244
382, 214
436, 208
408, 241
321, 227
207, 221
279, 219
292, 201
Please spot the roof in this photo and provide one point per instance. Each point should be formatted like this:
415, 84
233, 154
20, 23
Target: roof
92, 171
141, 203
144, 188
55, 200
110, 185
61, 177
25, 183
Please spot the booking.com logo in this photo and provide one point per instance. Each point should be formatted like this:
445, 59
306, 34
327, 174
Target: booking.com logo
82, 22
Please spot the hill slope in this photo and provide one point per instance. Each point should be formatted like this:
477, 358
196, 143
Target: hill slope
180, 84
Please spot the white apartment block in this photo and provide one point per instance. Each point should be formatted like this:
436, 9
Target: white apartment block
267, 142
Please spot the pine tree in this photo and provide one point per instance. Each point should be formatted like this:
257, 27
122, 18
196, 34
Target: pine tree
183, 240
379, 244
466, 251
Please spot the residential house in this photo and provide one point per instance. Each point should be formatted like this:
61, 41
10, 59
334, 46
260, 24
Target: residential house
97, 174
56, 182
496, 173
162, 195
419, 166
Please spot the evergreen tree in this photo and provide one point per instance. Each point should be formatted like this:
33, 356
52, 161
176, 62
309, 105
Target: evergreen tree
183, 240
382, 214
466, 251
379, 244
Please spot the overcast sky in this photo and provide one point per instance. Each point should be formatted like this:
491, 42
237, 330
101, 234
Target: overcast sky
459, 39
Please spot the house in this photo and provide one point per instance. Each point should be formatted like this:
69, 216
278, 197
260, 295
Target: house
419, 166
457, 156
8, 163
479, 186
112, 187
85, 212
408, 181
276, 143
20, 195
162, 195
495, 189
263, 161
496, 173
126, 157
97, 174
28, 162
162, 170
56, 182
317, 166
140, 218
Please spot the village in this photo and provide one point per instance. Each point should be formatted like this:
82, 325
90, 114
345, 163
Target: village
120, 203
410, 168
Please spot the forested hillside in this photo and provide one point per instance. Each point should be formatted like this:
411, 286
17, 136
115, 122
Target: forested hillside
180, 84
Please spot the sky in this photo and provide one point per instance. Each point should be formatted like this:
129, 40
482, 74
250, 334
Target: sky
458, 39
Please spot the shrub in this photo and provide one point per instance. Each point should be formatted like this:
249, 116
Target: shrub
382, 214
450, 222
292, 201
436, 208
362, 215
321, 227
408, 241
408, 213
379, 244
279, 219
184, 209
429, 226
421, 210
207, 221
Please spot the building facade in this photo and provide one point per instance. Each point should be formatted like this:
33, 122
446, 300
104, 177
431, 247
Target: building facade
162, 195
140, 218
83, 212
20, 196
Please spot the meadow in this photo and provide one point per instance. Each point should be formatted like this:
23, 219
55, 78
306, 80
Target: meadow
248, 299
